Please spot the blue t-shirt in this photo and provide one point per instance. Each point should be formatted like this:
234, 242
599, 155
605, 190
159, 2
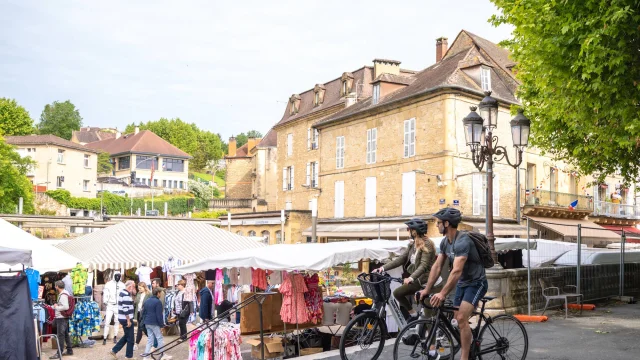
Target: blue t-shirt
33, 276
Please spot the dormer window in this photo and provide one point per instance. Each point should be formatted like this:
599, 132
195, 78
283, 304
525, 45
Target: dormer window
292, 110
316, 99
347, 83
294, 104
485, 78
318, 94
345, 90
376, 94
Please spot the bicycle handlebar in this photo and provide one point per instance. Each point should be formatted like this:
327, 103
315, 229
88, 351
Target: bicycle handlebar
384, 275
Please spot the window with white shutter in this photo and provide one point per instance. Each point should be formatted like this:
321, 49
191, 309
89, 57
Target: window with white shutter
340, 152
370, 203
315, 173
372, 145
410, 137
309, 139
289, 144
485, 78
409, 193
376, 94
339, 200
315, 135
285, 179
291, 183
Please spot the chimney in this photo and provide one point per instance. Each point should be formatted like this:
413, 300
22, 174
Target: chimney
118, 134
232, 147
251, 143
383, 66
441, 48
136, 131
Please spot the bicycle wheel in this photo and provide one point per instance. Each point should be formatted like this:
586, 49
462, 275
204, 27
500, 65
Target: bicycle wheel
363, 338
507, 335
411, 342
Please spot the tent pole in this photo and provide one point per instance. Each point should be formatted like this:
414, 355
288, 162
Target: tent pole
622, 243
579, 258
528, 268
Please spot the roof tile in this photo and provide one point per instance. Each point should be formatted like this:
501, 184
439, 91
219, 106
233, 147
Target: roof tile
144, 142
47, 140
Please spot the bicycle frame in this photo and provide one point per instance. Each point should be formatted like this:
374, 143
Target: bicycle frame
440, 318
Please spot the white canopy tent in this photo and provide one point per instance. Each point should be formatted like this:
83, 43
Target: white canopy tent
592, 256
11, 256
291, 257
45, 256
131, 243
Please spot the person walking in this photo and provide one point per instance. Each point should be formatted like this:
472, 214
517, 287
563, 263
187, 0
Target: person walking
206, 301
61, 320
110, 299
125, 317
143, 294
182, 309
154, 321
155, 283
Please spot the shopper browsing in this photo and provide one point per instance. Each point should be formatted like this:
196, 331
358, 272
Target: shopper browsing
125, 317
143, 294
206, 301
153, 320
61, 308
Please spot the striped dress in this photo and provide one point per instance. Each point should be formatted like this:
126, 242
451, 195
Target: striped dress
125, 306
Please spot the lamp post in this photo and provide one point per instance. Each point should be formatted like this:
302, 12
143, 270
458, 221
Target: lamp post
478, 131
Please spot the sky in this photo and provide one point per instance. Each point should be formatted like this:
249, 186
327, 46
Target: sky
227, 66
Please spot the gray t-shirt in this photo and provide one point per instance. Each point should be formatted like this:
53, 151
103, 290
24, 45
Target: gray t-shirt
463, 246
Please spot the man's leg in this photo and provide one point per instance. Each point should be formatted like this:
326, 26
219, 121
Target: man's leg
120, 344
67, 337
151, 337
107, 320
130, 339
60, 333
462, 316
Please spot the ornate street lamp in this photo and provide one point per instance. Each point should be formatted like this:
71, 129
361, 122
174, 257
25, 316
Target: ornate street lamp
478, 131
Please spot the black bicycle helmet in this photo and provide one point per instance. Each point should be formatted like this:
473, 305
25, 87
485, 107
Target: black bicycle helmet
453, 216
417, 224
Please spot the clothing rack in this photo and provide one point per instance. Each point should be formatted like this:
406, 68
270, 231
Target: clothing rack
78, 337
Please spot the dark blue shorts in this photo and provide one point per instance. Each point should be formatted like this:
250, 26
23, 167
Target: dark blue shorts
471, 293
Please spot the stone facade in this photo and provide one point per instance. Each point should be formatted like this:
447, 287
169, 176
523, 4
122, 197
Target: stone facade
296, 222
239, 178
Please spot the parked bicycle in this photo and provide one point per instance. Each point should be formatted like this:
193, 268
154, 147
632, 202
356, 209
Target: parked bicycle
365, 335
501, 337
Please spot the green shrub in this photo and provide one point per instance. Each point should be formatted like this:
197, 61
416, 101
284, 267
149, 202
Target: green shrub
212, 214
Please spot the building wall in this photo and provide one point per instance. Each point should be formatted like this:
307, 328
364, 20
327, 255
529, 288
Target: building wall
72, 169
265, 184
158, 174
295, 224
239, 181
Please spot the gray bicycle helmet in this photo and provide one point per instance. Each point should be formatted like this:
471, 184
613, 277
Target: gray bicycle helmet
452, 215
417, 224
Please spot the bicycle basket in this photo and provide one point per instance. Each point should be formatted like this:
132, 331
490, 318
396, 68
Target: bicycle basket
376, 287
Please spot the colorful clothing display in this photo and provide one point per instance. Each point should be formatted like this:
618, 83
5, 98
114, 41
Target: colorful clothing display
190, 288
227, 281
313, 299
259, 279
275, 278
294, 309
172, 279
245, 276
233, 275
85, 319
227, 343
193, 345
33, 277
79, 279
218, 295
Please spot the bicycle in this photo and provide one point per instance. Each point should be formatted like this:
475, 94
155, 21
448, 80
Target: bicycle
370, 328
505, 346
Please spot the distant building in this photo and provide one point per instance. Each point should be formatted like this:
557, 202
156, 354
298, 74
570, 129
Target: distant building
61, 164
89, 134
145, 152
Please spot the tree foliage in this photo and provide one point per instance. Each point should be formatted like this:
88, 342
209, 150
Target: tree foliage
14, 183
579, 65
14, 119
104, 163
60, 119
204, 146
243, 138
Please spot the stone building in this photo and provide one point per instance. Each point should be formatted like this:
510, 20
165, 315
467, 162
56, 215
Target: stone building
382, 144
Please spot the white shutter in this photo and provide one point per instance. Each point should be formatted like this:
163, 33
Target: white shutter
339, 200
374, 144
316, 174
289, 144
409, 193
309, 139
370, 197
368, 146
316, 138
288, 205
284, 179
412, 137
406, 138
308, 181
292, 173
477, 193
496, 195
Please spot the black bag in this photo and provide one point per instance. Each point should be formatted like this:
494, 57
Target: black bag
484, 250
186, 310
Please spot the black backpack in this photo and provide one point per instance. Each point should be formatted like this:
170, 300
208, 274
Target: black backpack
482, 245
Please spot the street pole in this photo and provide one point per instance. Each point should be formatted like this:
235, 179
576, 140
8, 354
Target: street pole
528, 268
579, 258
623, 240
229, 221
314, 220
518, 191
282, 218
490, 236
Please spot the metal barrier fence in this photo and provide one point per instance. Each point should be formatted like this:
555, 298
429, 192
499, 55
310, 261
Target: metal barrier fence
593, 281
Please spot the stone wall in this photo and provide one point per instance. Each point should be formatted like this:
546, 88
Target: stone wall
45, 205
239, 181
597, 282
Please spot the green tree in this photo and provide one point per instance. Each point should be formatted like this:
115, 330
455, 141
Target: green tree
209, 150
104, 163
243, 138
579, 68
14, 119
60, 119
14, 183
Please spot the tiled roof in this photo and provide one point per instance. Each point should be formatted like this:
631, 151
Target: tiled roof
442, 74
47, 140
269, 140
144, 142
92, 135
396, 79
242, 150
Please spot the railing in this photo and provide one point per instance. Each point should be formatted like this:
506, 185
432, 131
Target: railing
538, 197
230, 203
618, 210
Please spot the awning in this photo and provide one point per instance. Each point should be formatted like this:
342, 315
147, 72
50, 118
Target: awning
629, 231
569, 227
131, 243
514, 244
502, 229
12, 256
360, 230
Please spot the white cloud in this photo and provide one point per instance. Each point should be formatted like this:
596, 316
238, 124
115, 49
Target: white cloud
227, 66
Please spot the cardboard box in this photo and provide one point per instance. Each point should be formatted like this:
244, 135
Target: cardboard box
273, 347
310, 351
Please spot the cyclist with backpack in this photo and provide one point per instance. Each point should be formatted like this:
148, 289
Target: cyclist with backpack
63, 310
467, 275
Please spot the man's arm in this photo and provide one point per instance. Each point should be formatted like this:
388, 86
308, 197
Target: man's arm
454, 276
399, 261
63, 303
434, 273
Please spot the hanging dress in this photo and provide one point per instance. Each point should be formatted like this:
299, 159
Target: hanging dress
294, 309
218, 293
